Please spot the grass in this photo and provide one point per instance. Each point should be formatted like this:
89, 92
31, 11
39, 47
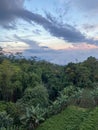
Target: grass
91, 123
69, 119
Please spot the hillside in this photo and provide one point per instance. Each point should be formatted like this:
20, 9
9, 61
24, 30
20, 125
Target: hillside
38, 95
72, 118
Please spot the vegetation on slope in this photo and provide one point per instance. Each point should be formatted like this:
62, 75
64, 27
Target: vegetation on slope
91, 123
32, 91
69, 119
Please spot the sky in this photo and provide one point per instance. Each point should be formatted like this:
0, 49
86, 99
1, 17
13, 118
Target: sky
59, 31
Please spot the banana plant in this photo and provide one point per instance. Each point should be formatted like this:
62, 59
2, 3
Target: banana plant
32, 117
5, 120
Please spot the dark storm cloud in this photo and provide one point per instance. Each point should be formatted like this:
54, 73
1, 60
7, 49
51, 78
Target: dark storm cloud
9, 11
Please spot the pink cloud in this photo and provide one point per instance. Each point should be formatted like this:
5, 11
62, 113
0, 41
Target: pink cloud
83, 46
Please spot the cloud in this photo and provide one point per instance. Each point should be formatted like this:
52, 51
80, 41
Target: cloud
86, 5
37, 31
32, 48
33, 45
42, 52
62, 57
8, 27
9, 11
66, 32
90, 27
13, 47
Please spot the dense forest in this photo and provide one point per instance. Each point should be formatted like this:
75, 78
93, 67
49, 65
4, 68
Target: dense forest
34, 93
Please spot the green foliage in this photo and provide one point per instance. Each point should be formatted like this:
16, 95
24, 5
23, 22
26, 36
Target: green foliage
15, 111
72, 118
5, 119
7, 84
95, 95
92, 64
32, 117
87, 100
69, 90
35, 96
38, 89
3, 106
91, 123
58, 105
11, 128
78, 74
69, 119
